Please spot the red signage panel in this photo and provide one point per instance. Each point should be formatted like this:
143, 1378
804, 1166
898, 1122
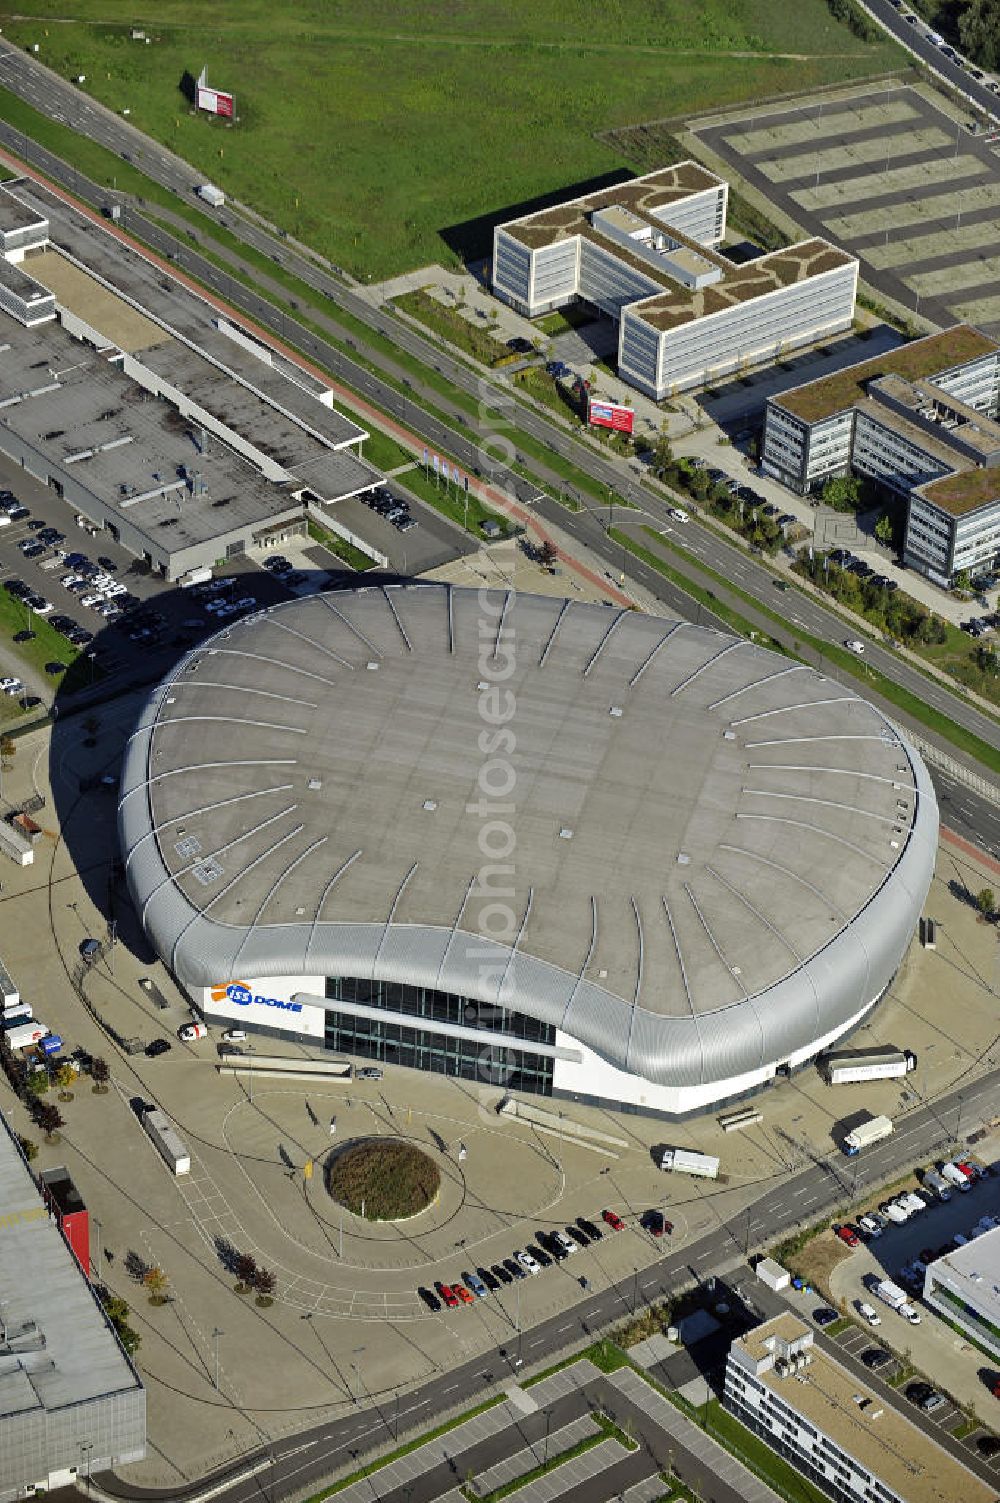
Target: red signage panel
610, 415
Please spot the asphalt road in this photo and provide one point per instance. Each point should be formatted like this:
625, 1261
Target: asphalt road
53, 96
806, 1189
914, 39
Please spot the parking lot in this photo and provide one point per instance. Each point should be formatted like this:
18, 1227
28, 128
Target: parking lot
931, 1351
124, 623
892, 177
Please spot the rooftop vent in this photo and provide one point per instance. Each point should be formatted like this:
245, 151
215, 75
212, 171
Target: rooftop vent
729, 735
616, 712
565, 833
683, 859
372, 667
430, 805
315, 784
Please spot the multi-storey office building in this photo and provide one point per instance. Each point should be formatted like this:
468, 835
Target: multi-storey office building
922, 421
646, 254
854, 1445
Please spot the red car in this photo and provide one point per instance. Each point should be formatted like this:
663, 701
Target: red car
613, 1219
653, 1223
968, 1169
447, 1294
463, 1294
847, 1234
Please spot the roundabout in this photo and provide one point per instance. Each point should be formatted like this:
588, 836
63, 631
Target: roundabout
383, 1179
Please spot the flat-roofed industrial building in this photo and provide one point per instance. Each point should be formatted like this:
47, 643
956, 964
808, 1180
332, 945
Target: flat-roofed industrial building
71, 1402
156, 417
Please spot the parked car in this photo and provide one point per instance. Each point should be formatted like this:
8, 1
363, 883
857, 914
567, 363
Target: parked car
430, 1300
157, 1047
502, 1274
475, 1283
369, 1072
847, 1234
876, 1357
463, 1294
528, 1263
653, 1223
513, 1266
445, 1291
613, 1220
591, 1228
824, 1316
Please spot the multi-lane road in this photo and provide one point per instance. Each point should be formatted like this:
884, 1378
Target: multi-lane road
463, 437
914, 37
806, 1188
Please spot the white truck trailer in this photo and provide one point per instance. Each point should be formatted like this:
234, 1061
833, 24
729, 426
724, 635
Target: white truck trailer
211, 194
167, 1141
26, 1034
9, 994
845, 1068
772, 1274
195, 576
867, 1133
684, 1161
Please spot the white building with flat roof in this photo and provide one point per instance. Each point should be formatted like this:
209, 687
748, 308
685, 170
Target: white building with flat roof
646, 253
844, 1437
964, 1286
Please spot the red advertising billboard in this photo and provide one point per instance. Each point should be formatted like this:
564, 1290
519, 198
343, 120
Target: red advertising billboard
610, 415
213, 101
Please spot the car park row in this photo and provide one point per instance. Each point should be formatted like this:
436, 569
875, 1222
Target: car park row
547, 1248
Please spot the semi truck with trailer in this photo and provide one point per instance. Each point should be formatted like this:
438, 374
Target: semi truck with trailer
896, 1299
845, 1068
20, 1013
867, 1133
685, 1161
167, 1141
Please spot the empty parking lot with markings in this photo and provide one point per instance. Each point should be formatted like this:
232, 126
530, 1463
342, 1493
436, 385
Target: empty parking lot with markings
892, 178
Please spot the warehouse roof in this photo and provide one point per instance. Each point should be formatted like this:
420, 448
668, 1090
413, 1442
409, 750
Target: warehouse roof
59, 1348
698, 825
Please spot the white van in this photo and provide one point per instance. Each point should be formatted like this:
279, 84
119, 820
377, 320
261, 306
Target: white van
869, 1313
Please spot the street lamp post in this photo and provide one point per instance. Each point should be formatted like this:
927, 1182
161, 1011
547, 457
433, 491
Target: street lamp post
216, 1333
87, 1446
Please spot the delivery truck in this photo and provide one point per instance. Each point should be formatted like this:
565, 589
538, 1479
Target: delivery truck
890, 1293
845, 1068
867, 1133
772, 1274
684, 1161
11, 1016
26, 1034
167, 1141
211, 194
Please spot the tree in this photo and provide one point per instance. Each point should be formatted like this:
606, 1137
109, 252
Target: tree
547, 554
37, 1083
8, 746
50, 1119
265, 1284
116, 1310
155, 1280
246, 1270
986, 903
29, 1148
842, 493
960, 581
65, 1079
883, 529
100, 1074
979, 32
663, 453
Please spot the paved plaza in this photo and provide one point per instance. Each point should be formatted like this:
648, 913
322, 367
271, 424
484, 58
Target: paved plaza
891, 176
347, 1327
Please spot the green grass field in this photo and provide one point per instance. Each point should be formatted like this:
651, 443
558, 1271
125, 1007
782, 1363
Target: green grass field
368, 133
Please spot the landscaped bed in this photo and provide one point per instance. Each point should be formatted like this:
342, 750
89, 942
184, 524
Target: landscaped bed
383, 1179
